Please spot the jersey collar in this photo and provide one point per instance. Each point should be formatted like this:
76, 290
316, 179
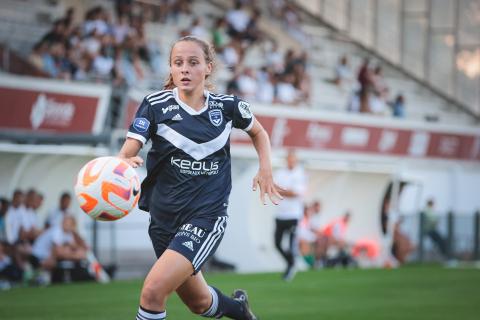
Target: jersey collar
189, 109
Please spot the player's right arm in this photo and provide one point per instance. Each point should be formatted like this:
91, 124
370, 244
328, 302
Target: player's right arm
138, 134
129, 152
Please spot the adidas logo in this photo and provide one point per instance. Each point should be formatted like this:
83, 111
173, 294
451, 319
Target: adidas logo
177, 117
188, 244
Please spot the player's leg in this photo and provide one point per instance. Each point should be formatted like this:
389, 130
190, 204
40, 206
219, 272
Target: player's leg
167, 274
279, 230
210, 302
290, 254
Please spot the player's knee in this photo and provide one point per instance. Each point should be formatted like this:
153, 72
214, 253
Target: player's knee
153, 294
200, 306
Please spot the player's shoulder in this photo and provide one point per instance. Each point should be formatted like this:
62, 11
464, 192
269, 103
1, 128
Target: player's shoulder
227, 100
159, 97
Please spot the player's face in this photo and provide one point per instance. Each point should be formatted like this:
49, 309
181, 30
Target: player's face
188, 66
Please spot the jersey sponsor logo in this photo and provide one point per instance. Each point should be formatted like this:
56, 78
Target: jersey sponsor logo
141, 124
216, 117
177, 117
195, 168
244, 108
215, 104
170, 108
188, 244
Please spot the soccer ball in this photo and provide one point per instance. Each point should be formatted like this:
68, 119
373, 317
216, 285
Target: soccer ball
107, 188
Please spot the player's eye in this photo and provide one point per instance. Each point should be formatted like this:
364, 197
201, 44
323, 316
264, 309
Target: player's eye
193, 62
178, 63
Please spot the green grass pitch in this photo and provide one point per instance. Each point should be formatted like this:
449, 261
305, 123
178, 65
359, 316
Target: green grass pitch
408, 293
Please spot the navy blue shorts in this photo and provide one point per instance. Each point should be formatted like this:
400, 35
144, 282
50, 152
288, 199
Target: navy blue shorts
197, 240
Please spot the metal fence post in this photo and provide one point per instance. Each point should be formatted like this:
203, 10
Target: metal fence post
421, 228
476, 235
450, 235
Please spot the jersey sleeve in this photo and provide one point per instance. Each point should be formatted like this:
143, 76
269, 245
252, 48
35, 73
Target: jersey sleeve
243, 118
141, 127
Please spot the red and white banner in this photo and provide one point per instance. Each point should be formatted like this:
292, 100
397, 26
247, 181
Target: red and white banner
362, 134
37, 104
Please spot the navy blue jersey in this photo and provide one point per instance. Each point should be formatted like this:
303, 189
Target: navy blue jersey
189, 161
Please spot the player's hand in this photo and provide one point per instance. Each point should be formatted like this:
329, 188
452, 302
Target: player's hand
264, 181
135, 162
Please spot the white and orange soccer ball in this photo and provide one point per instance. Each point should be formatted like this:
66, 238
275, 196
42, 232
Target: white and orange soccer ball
107, 188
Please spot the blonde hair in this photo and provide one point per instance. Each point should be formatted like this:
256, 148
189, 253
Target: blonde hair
208, 53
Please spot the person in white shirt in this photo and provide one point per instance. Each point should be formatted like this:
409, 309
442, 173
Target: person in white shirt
30, 225
14, 217
56, 215
61, 242
293, 184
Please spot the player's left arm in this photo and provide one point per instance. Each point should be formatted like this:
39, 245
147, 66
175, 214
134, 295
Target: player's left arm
264, 177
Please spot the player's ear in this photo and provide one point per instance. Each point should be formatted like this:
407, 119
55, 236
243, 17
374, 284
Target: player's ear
209, 69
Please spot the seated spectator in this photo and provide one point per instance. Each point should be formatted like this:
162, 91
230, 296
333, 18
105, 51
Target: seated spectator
247, 84
219, 34
55, 218
238, 20
309, 234
58, 243
343, 73
9, 272
30, 225
266, 86
14, 217
232, 54
198, 30
334, 240
103, 65
274, 59
286, 92
4, 205
398, 106
36, 56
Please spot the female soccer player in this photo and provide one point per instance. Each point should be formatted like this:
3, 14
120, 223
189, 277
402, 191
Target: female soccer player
189, 181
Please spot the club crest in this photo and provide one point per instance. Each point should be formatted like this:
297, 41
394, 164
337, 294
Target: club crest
216, 117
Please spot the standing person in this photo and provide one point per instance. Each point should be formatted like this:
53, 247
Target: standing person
189, 181
430, 228
293, 182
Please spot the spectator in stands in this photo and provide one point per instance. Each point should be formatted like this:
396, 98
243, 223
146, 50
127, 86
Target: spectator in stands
232, 54
247, 84
198, 30
343, 73
274, 58
57, 214
36, 56
286, 92
4, 205
364, 76
398, 106
220, 34
253, 32
58, 33
293, 182
265, 92
103, 65
430, 228
122, 29
238, 20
